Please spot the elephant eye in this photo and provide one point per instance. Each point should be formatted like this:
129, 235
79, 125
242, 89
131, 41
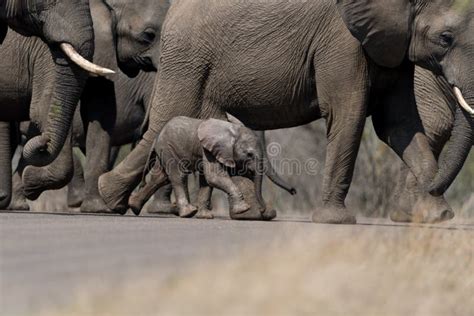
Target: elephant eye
446, 39
250, 155
148, 36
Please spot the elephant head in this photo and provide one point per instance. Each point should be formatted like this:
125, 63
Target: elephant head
239, 148
66, 27
137, 27
435, 34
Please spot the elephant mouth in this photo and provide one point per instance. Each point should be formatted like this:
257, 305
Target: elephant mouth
133, 66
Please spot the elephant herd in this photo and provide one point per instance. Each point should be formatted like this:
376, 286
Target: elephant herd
192, 82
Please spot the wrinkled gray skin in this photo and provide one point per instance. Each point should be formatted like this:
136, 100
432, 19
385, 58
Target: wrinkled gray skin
55, 88
111, 114
290, 63
215, 149
55, 22
447, 134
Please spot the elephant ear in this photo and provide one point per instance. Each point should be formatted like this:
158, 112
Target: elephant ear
382, 26
218, 137
104, 41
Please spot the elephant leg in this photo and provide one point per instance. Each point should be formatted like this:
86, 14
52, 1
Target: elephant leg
99, 112
97, 162
343, 96
158, 178
75, 193
204, 203
18, 202
162, 202
397, 123
218, 177
5, 165
55, 176
179, 181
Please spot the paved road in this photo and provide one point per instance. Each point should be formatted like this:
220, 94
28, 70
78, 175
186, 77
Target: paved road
45, 257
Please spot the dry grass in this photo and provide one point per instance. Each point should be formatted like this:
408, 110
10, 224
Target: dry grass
356, 271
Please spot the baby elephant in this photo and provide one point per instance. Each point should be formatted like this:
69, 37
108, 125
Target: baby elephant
215, 149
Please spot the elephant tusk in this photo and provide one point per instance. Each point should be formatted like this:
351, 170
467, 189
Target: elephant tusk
462, 102
84, 63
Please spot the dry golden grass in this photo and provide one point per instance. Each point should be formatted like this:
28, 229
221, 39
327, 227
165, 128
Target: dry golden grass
352, 271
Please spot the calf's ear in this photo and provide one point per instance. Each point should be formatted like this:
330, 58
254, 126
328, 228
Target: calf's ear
382, 26
218, 137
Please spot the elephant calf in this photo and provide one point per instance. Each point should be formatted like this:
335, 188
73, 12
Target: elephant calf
217, 150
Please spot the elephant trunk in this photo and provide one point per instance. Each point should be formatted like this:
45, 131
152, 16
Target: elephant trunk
454, 153
69, 83
5, 166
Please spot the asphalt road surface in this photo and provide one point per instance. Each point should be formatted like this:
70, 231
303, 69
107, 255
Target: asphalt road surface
45, 257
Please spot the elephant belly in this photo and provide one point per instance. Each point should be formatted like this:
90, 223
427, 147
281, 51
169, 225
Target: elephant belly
276, 92
268, 118
272, 104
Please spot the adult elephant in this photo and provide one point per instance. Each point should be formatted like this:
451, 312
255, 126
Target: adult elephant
277, 64
66, 26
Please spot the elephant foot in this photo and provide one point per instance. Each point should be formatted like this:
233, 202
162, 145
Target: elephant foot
422, 216
114, 191
95, 206
240, 207
75, 197
204, 214
162, 208
399, 216
334, 215
135, 204
254, 214
187, 211
427, 209
269, 215
19, 204
35, 182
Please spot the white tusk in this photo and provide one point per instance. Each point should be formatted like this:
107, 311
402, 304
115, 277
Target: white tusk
84, 63
462, 102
